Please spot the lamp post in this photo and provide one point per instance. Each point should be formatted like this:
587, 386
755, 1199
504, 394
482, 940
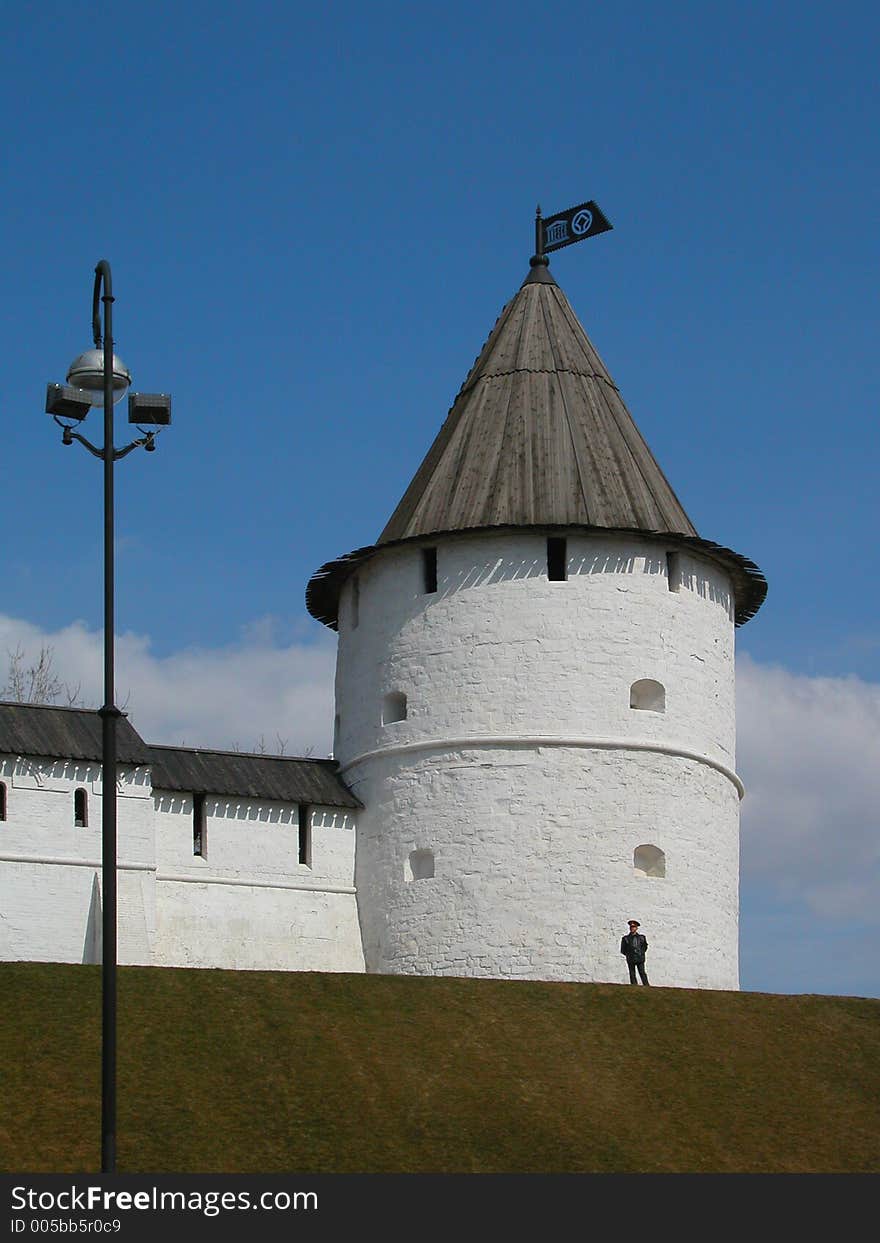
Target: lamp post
99, 378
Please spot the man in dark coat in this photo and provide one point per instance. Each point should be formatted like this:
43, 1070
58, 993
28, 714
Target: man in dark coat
634, 946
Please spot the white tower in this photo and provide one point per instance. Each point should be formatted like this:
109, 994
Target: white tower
535, 687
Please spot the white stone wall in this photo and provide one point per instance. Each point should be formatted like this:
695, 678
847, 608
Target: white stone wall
248, 902
522, 766
50, 882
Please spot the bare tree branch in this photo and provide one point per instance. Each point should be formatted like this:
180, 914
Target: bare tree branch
37, 683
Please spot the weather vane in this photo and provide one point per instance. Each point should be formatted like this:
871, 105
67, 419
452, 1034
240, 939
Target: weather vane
567, 227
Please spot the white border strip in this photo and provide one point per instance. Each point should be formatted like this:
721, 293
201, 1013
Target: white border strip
550, 740
76, 863
252, 882
188, 878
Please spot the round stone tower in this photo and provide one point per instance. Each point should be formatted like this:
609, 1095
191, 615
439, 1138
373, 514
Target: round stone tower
535, 687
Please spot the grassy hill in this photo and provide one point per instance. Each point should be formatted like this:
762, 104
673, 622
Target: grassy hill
268, 1072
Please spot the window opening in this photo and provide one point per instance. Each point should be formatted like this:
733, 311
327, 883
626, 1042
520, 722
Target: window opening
200, 833
81, 809
305, 835
557, 561
649, 861
393, 707
673, 571
429, 569
647, 696
420, 865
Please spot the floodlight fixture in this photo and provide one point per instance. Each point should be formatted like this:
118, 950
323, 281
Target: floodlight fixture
150, 408
67, 401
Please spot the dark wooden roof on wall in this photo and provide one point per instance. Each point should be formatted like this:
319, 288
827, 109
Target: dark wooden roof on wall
538, 436
281, 778
65, 733
49, 732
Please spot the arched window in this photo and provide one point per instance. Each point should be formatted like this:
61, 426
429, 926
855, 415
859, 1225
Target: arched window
393, 707
2, 800
81, 809
304, 822
647, 695
420, 865
649, 861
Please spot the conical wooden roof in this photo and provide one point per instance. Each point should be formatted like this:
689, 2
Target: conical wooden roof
538, 436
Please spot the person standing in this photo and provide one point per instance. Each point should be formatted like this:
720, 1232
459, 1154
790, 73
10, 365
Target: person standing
634, 947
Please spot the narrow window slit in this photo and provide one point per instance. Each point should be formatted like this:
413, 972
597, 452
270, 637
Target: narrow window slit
305, 834
557, 560
673, 571
200, 836
80, 809
429, 569
355, 602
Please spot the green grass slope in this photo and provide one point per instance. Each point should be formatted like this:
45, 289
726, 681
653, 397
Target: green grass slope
241, 1072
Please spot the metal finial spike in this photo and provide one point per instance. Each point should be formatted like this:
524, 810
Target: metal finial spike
538, 210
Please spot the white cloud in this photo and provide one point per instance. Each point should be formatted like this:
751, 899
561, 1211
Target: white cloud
258, 690
808, 750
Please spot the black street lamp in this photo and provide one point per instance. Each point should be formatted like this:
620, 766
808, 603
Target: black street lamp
99, 378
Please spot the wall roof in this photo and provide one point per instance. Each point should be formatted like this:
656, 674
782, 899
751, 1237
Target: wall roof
64, 733
50, 732
282, 778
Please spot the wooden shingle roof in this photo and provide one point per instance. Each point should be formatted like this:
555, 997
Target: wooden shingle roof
538, 436
281, 778
46, 731
65, 733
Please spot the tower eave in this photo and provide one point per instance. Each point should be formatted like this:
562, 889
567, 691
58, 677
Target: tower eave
748, 582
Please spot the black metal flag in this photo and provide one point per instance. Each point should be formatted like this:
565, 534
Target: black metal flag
568, 227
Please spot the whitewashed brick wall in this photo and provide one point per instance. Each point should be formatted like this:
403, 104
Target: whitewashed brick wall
50, 867
502, 814
522, 766
249, 903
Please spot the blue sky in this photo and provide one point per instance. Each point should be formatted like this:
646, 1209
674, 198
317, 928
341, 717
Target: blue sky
314, 215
